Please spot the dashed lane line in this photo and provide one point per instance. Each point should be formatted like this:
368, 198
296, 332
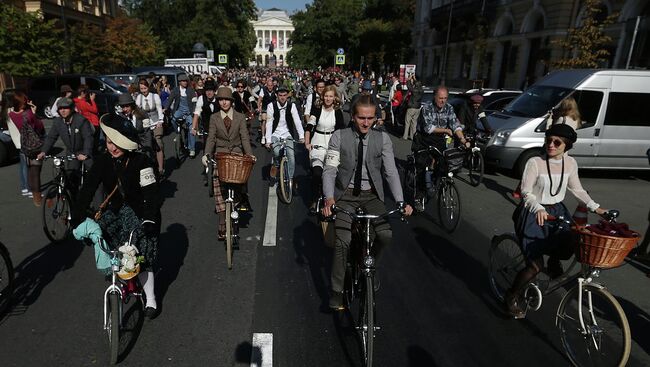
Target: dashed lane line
262, 350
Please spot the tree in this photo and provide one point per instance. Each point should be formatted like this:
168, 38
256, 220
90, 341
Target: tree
130, 43
29, 45
586, 43
87, 51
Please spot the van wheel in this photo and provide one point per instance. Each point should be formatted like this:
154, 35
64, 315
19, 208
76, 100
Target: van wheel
523, 158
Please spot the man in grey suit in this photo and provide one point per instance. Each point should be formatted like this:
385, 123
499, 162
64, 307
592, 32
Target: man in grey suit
351, 183
77, 136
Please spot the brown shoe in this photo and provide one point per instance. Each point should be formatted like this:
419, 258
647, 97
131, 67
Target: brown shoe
274, 171
37, 198
512, 304
222, 235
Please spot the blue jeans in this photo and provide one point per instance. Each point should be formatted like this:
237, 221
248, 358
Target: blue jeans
22, 172
289, 151
184, 112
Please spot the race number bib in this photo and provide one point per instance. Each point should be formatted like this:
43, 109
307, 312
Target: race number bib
147, 177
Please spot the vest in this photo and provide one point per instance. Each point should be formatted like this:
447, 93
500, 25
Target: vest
287, 116
268, 97
206, 113
348, 161
338, 115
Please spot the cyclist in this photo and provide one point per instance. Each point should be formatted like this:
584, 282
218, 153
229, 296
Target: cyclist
182, 100
228, 134
283, 122
134, 116
437, 121
543, 186
77, 136
352, 182
325, 117
151, 104
243, 102
266, 96
205, 106
314, 97
130, 179
474, 115
66, 92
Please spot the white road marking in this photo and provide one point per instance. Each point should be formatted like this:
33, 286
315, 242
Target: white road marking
262, 351
270, 228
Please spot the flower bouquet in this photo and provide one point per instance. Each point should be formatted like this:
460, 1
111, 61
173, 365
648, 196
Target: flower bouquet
130, 262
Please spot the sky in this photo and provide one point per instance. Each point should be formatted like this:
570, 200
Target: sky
289, 5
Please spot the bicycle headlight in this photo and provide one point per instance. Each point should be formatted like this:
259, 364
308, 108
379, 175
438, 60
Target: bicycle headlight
57, 162
450, 174
501, 137
234, 215
369, 261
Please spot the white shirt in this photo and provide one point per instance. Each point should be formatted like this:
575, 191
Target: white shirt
199, 105
154, 101
183, 91
282, 131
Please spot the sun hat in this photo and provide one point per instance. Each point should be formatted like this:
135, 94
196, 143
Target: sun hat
224, 93
120, 131
125, 99
64, 103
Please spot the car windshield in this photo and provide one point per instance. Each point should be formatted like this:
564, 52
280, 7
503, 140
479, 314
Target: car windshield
536, 101
114, 85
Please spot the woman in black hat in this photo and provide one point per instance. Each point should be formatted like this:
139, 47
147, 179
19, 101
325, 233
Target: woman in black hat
129, 180
543, 187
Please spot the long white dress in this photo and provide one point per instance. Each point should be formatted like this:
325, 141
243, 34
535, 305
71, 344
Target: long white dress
326, 125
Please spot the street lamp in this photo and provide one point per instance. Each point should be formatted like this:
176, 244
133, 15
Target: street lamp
444, 59
199, 50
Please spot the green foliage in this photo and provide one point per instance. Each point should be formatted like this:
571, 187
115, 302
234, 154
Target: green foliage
86, 52
130, 43
28, 45
586, 44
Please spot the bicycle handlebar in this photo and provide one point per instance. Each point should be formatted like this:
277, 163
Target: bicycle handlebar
371, 217
609, 215
70, 157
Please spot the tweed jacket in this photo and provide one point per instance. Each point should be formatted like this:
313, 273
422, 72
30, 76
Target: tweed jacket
78, 140
235, 140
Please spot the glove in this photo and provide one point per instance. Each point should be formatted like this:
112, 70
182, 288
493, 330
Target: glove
204, 160
149, 229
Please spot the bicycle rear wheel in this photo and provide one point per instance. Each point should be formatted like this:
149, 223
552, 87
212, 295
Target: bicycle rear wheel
114, 326
6, 278
286, 183
448, 205
605, 340
210, 178
506, 261
56, 215
229, 234
476, 168
367, 320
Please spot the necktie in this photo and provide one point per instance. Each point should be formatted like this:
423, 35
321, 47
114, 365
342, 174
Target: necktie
227, 121
357, 173
146, 103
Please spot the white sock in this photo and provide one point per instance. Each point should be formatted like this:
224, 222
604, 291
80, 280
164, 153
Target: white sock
147, 279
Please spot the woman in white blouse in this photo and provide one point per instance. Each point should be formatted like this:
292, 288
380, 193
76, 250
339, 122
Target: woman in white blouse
543, 187
325, 118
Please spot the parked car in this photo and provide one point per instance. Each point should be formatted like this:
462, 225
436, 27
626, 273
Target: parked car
171, 73
615, 132
122, 79
8, 151
45, 89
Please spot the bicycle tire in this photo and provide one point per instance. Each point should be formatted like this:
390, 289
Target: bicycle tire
286, 192
114, 326
210, 179
367, 320
476, 168
6, 279
177, 148
505, 261
448, 205
229, 235
606, 316
56, 215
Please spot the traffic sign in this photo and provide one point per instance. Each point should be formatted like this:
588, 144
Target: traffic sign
340, 51
340, 59
210, 55
223, 59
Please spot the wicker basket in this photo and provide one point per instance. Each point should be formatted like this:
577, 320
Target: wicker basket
125, 275
602, 251
234, 168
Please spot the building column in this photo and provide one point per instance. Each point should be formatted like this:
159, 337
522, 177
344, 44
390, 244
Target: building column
284, 39
263, 38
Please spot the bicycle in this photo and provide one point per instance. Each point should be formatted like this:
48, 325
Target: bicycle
474, 161
232, 213
180, 140
360, 272
57, 203
588, 317
6, 278
285, 184
448, 196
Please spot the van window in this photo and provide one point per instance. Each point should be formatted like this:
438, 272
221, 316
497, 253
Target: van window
94, 84
44, 84
536, 101
627, 109
588, 104
72, 81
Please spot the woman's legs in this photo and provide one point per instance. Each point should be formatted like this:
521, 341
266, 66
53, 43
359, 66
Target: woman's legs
22, 173
316, 182
34, 178
522, 279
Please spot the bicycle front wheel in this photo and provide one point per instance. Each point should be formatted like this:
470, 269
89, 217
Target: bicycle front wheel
367, 320
448, 205
506, 261
6, 278
114, 326
476, 168
605, 339
56, 215
286, 182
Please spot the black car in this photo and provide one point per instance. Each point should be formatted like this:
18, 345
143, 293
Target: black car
44, 90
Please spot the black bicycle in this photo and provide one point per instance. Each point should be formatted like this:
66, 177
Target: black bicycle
359, 284
57, 202
442, 185
474, 161
180, 140
6, 278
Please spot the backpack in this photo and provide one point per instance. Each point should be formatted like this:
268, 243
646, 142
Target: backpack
30, 141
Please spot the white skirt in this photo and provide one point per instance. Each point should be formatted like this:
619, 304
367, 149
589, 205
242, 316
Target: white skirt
317, 155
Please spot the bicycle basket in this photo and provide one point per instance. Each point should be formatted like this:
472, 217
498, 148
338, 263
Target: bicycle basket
602, 251
234, 168
454, 158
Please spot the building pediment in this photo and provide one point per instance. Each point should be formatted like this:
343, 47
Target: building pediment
273, 22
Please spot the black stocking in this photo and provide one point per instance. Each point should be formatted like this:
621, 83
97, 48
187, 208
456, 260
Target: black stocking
316, 182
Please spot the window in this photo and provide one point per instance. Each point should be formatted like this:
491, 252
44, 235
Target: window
537, 101
498, 104
589, 105
72, 81
94, 84
627, 109
44, 84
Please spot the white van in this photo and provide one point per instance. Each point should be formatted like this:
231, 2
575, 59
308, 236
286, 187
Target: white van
614, 105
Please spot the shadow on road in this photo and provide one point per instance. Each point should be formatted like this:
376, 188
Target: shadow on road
172, 248
247, 354
418, 356
639, 321
132, 322
506, 192
311, 251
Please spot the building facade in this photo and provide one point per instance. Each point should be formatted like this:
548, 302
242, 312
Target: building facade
508, 43
73, 11
273, 29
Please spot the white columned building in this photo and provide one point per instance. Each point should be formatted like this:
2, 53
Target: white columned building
272, 26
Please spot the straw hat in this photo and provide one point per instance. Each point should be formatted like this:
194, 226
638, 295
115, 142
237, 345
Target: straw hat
121, 133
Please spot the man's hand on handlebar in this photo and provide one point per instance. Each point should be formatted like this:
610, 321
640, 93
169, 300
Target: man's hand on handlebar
405, 209
327, 207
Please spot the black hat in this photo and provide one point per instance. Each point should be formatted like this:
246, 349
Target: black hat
125, 99
563, 131
210, 85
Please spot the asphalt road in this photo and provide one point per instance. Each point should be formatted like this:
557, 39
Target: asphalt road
434, 305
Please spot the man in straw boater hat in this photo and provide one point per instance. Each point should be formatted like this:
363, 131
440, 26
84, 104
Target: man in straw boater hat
132, 200
227, 133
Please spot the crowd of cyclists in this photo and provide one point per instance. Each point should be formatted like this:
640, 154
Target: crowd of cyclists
350, 158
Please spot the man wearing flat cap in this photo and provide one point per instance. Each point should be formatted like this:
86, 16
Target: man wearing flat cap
181, 101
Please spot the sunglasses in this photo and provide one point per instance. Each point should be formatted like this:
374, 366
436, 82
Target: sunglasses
240, 86
554, 142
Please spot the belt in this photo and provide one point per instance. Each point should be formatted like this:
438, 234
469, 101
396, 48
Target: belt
325, 132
